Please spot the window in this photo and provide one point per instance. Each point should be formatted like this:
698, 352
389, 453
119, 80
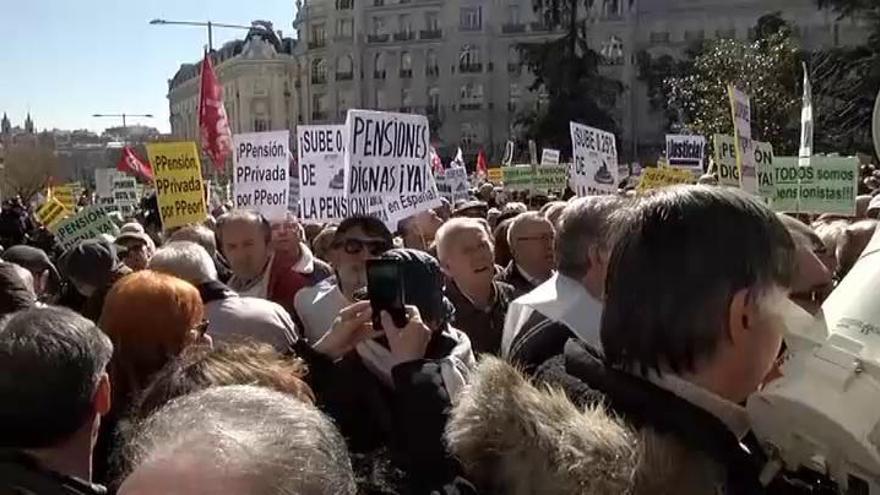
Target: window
471, 18
344, 68
612, 51
379, 66
694, 35
513, 16
433, 99
344, 28
470, 135
515, 97
469, 59
344, 4
543, 99
513, 55
381, 99
319, 107
405, 65
319, 71
378, 26
432, 21
404, 24
659, 37
431, 67
343, 101
471, 96
612, 8
317, 35
406, 100
261, 125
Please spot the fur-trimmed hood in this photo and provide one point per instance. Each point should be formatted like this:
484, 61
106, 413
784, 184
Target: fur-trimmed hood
516, 438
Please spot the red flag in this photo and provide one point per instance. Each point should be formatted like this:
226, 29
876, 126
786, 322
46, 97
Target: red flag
482, 164
129, 162
436, 163
213, 124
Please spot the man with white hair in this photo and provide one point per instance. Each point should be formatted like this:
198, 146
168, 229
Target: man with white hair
467, 256
569, 304
230, 317
235, 440
530, 238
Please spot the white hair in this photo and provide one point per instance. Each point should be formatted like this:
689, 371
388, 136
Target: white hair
284, 445
185, 260
447, 232
519, 221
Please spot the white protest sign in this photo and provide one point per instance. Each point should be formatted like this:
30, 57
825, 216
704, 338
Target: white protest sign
321, 157
594, 168
684, 151
261, 172
725, 163
549, 157
806, 149
89, 223
104, 181
457, 180
388, 155
740, 108
125, 194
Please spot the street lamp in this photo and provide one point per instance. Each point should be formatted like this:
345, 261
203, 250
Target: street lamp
210, 25
123, 115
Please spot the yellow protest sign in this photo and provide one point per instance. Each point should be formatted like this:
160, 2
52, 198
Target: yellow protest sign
656, 177
51, 213
68, 194
495, 175
179, 187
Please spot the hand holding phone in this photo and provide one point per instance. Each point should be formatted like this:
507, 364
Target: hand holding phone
385, 287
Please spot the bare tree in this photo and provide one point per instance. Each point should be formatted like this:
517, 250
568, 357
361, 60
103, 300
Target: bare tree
27, 169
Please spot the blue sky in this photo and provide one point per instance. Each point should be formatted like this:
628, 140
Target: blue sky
65, 60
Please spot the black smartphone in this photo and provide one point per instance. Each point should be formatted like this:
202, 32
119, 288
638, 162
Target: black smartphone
386, 291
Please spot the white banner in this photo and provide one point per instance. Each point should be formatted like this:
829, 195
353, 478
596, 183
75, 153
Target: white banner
806, 149
261, 169
594, 168
388, 155
125, 194
683, 151
104, 181
742, 132
321, 157
549, 157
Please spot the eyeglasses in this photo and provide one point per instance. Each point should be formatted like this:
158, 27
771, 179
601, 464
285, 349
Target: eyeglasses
356, 246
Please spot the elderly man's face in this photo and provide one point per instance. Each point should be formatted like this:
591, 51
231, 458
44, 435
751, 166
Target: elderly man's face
470, 258
350, 253
422, 229
245, 247
286, 235
532, 246
137, 254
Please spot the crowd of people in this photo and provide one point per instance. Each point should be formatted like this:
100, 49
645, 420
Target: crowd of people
599, 345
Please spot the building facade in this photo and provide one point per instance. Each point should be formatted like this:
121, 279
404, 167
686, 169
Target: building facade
456, 60
257, 75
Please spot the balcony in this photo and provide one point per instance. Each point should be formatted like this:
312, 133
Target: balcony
319, 78
432, 71
378, 38
319, 115
537, 27
406, 73
470, 68
344, 76
430, 34
470, 106
320, 43
513, 28
344, 4
470, 28
514, 68
404, 36
379, 74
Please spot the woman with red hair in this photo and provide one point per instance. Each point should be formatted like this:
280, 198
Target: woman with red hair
150, 318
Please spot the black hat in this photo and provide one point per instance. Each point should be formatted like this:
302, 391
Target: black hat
90, 262
424, 284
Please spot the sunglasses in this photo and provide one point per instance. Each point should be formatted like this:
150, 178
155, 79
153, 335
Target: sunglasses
357, 246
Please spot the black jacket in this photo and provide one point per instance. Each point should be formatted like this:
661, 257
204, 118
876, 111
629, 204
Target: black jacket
484, 328
21, 474
587, 380
539, 340
510, 275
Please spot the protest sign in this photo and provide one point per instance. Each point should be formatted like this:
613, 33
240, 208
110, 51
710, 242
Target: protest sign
685, 151
179, 189
321, 154
594, 170
517, 178
457, 181
657, 177
806, 149
828, 185
125, 194
68, 194
549, 157
496, 175
104, 181
725, 163
740, 108
551, 178
261, 170
87, 224
507, 159
51, 212
388, 155
293, 190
